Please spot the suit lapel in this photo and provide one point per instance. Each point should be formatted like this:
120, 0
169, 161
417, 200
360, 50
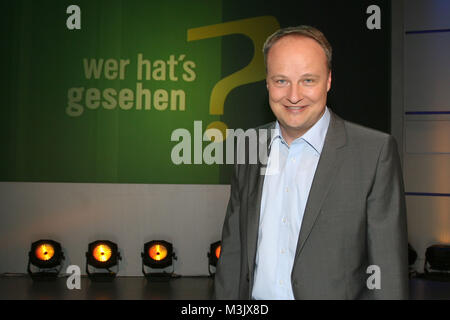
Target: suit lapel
329, 162
256, 182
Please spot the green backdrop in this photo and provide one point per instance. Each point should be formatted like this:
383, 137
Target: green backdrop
99, 104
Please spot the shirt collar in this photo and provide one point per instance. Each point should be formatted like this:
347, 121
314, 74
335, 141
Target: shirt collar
315, 136
276, 135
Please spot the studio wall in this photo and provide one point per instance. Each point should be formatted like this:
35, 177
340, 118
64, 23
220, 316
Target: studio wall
426, 118
88, 115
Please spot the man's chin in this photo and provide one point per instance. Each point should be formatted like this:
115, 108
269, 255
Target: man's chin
293, 129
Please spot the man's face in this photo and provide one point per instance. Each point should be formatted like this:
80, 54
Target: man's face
298, 81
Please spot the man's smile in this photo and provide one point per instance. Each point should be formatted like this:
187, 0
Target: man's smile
295, 108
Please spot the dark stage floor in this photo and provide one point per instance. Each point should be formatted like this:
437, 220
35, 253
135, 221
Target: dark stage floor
138, 288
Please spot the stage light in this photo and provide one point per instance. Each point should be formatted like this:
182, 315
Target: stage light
214, 255
158, 254
412, 255
438, 258
47, 256
102, 254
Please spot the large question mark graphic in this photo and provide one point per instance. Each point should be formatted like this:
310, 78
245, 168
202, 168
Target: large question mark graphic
257, 29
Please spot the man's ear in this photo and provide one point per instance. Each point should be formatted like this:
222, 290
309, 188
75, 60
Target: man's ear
329, 82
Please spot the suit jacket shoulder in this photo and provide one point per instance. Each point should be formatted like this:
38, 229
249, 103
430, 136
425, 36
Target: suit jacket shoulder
365, 139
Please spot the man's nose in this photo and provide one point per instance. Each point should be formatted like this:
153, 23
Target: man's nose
294, 94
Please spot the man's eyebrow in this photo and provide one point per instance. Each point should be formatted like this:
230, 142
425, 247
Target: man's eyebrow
278, 76
311, 75
306, 75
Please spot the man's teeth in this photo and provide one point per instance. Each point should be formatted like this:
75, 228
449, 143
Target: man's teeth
295, 108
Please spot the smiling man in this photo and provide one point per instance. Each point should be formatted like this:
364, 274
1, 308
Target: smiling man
298, 79
333, 212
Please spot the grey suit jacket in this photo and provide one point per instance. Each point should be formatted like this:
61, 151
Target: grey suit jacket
354, 217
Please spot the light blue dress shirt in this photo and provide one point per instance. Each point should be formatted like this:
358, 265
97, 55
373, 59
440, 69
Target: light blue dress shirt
283, 204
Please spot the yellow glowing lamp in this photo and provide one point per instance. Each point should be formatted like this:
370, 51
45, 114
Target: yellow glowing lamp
219, 247
46, 255
45, 252
102, 253
214, 255
158, 252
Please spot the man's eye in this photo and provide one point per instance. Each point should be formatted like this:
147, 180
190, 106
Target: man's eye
310, 82
280, 81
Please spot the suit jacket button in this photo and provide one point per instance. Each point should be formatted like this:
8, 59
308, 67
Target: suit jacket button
295, 283
248, 278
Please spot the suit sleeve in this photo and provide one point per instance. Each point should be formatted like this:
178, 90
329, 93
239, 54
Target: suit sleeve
386, 222
227, 277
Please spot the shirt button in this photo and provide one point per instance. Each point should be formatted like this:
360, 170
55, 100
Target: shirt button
284, 220
282, 251
287, 189
281, 282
